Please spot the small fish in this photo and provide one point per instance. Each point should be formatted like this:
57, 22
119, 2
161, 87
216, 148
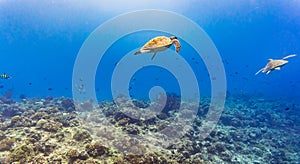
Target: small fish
4, 76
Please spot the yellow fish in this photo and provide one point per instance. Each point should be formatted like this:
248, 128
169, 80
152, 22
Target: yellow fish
4, 76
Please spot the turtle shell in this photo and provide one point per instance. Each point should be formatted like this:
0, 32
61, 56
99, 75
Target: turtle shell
276, 63
157, 42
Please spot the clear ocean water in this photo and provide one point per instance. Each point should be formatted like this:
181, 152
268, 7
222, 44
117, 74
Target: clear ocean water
40, 41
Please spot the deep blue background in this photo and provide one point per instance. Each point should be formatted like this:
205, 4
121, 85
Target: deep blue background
39, 42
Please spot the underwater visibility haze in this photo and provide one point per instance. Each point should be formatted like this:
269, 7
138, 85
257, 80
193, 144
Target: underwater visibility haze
54, 108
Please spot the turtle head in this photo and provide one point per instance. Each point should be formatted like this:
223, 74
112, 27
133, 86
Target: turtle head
173, 37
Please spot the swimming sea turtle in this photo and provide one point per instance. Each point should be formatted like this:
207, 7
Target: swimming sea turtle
158, 44
275, 64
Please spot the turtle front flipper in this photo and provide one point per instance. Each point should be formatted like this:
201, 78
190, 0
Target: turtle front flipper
153, 56
289, 56
177, 45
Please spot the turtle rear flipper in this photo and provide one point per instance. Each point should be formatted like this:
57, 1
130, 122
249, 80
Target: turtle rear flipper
289, 56
259, 71
141, 51
137, 52
153, 56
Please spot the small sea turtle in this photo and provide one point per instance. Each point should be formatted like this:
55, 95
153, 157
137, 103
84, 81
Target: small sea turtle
158, 44
274, 64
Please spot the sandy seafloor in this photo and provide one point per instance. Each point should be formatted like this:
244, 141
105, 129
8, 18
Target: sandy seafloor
52, 130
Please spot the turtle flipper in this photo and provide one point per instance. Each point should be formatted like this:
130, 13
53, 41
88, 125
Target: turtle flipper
153, 56
259, 71
137, 52
141, 51
289, 56
177, 45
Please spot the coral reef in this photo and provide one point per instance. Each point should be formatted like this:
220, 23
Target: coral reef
82, 135
48, 125
6, 144
52, 130
22, 153
96, 149
67, 104
172, 103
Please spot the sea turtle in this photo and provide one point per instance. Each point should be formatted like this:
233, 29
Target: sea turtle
275, 64
158, 44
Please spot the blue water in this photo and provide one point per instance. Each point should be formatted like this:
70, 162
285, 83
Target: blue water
39, 42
